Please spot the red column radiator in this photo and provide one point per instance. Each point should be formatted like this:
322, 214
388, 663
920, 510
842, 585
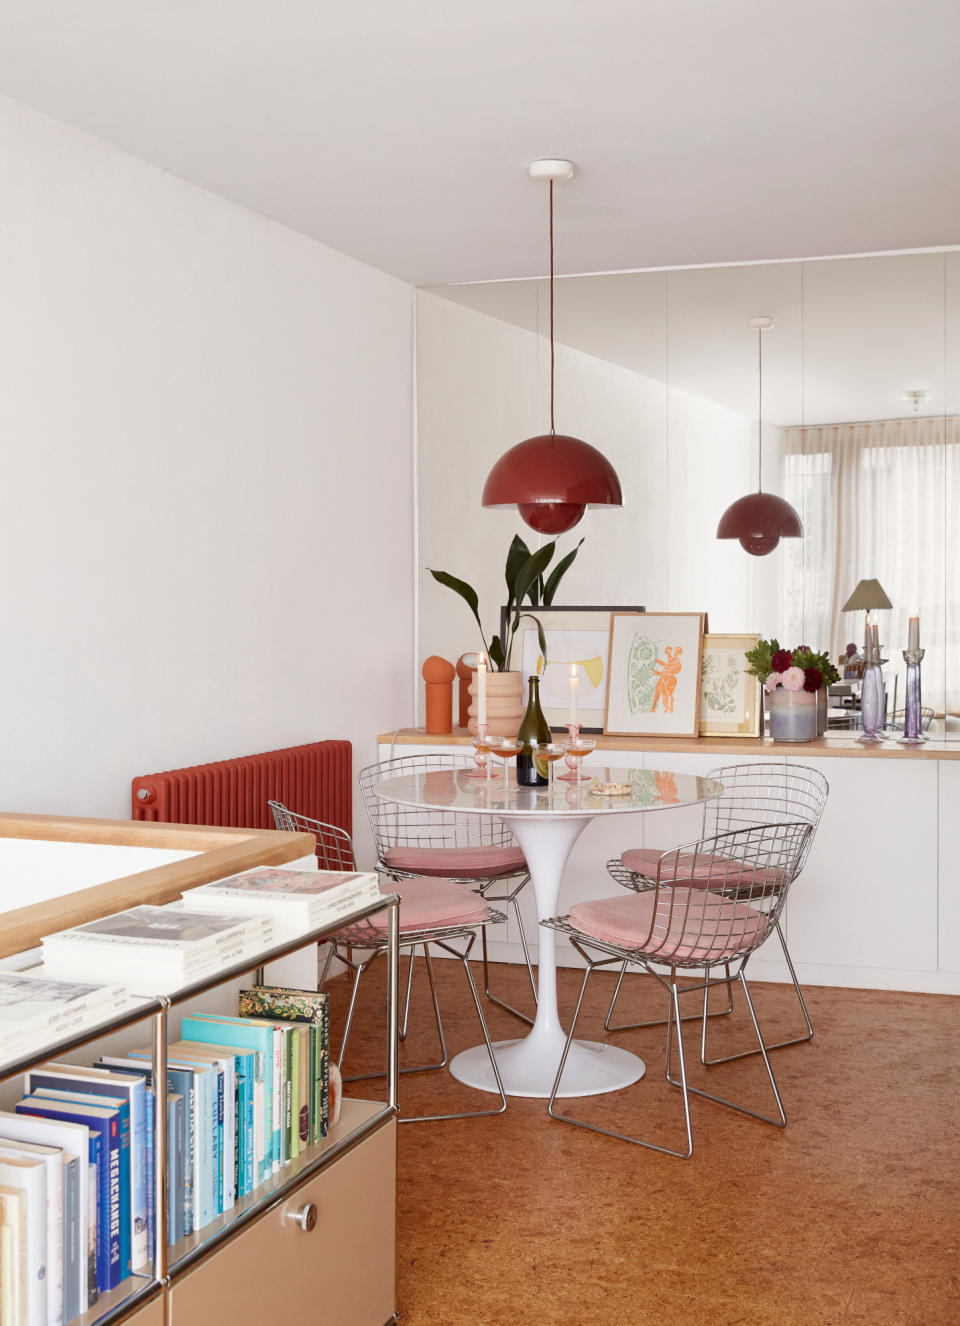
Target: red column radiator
315, 780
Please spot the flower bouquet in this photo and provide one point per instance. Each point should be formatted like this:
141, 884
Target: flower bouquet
796, 682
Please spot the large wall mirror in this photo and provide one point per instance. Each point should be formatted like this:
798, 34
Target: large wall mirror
861, 399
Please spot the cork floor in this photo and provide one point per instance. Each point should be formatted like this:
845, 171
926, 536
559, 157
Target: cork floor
849, 1215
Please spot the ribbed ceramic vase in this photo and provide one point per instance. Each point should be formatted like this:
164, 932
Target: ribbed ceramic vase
505, 704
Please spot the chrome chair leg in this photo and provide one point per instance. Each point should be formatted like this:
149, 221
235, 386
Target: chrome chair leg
609, 1132
468, 1114
406, 1003
494, 999
777, 1045
325, 968
781, 1120
659, 1022
359, 969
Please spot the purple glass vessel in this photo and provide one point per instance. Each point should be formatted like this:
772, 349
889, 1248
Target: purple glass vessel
913, 712
872, 701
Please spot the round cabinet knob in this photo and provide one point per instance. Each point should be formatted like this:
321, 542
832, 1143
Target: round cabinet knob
305, 1217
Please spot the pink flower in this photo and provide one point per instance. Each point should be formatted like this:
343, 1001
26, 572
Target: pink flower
772, 682
793, 679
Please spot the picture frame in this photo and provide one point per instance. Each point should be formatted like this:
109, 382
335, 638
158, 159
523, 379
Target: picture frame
653, 674
730, 699
575, 634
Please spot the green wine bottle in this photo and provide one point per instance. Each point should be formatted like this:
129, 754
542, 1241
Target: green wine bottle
533, 772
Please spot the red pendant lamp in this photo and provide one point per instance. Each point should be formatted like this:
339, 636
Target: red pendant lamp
760, 520
552, 478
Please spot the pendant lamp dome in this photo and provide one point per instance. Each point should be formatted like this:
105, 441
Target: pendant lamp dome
760, 520
552, 478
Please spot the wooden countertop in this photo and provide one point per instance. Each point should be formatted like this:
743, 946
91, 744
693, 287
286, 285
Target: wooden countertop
222, 852
840, 746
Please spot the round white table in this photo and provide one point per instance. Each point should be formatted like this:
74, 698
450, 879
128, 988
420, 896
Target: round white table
546, 823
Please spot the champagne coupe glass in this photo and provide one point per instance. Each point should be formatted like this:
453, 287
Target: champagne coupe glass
575, 750
481, 746
550, 751
506, 749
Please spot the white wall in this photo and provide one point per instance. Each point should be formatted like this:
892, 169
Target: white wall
206, 497
681, 460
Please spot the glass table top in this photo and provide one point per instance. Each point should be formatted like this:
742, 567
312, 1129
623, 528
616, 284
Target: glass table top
601, 791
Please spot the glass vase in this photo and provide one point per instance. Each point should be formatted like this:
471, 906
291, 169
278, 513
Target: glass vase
822, 706
793, 715
872, 702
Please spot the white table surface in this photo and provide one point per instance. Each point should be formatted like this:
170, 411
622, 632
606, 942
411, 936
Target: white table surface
546, 822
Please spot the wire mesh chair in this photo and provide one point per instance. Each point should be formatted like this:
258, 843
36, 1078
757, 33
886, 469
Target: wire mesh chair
432, 912
478, 851
762, 792
743, 877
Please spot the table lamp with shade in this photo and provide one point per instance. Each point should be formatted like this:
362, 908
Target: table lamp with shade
869, 596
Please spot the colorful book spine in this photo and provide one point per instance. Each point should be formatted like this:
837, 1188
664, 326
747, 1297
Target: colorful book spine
220, 1029
72, 1250
103, 1124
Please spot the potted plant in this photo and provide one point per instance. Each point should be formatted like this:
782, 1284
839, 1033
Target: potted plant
796, 682
527, 583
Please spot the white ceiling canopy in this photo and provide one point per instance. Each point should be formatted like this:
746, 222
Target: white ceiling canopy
400, 133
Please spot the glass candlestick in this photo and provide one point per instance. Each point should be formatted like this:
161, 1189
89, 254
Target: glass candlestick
481, 754
913, 712
872, 695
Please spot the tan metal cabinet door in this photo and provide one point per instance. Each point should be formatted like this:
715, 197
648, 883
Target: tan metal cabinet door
326, 1256
151, 1315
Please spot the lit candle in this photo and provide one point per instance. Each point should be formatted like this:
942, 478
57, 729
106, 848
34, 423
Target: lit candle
876, 642
913, 641
481, 691
574, 685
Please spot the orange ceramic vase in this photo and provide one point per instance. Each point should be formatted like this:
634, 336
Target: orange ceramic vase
438, 675
505, 704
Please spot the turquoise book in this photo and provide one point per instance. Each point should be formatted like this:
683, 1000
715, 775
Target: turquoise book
216, 1029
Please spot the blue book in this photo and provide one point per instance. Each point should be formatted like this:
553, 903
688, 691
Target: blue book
246, 1035
196, 1081
180, 1083
103, 1121
104, 1082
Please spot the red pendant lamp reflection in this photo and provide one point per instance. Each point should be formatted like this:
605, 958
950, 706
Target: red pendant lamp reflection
760, 520
552, 478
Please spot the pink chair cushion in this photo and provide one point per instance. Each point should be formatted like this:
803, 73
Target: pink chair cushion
687, 924
457, 862
701, 871
425, 904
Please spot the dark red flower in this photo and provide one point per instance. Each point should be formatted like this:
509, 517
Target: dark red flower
812, 679
782, 660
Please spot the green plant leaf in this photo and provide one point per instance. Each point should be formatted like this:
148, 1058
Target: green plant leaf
496, 653
517, 557
466, 592
557, 574
532, 568
540, 635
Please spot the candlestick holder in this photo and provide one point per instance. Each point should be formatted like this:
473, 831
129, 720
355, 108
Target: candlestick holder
913, 711
481, 754
576, 749
872, 694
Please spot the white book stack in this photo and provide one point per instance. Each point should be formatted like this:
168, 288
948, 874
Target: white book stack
156, 950
298, 900
36, 1010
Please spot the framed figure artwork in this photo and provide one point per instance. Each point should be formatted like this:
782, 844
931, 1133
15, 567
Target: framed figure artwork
577, 638
730, 704
653, 679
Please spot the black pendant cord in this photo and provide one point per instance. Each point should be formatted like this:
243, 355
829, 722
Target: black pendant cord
552, 428
759, 409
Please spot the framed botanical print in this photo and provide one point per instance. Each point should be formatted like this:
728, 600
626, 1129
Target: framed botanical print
730, 702
653, 679
578, 638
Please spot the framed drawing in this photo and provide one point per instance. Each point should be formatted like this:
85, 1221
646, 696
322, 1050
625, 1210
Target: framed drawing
729, 698
577, 636
653, 679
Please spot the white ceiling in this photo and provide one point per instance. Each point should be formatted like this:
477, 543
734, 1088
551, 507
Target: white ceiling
705, 131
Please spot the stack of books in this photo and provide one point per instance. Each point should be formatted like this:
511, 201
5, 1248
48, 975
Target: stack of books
35, 1010
246, 1096
297, 900
156, 950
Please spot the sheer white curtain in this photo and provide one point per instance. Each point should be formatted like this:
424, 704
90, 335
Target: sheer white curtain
874, 499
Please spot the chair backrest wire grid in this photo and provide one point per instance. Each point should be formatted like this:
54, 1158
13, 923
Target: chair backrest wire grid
767, 792
743, 876
394, 825
334, 846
